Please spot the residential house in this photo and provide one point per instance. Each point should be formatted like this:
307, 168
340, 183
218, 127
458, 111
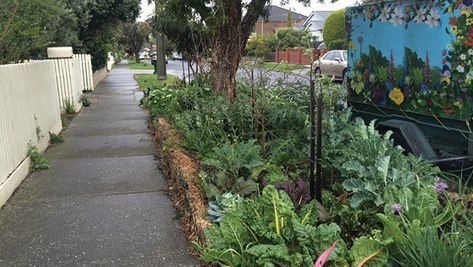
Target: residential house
315, 23
278, 18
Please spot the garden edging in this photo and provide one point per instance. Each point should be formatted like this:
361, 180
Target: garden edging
181, 169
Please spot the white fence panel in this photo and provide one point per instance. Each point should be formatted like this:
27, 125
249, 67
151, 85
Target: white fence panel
110, 62
29, 110
86, 68
69, 82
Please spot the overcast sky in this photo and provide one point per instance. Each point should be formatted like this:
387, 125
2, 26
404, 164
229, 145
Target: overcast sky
293, 4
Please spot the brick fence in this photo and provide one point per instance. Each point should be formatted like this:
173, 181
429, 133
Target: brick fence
296, 55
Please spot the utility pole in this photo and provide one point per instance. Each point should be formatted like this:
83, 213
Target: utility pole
160, 55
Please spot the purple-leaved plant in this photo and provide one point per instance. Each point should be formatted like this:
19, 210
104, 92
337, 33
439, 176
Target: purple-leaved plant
298, 191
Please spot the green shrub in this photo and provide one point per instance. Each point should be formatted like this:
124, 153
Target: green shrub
258, 46
290, 37
339, 44
334, 27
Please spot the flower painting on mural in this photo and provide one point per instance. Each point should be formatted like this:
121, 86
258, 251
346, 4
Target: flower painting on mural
414, 56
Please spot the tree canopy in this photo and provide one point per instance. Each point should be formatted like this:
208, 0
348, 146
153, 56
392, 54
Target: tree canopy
334, 31
28, 27
133, 37
227, 25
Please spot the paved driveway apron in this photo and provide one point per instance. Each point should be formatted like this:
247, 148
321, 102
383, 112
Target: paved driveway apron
103, 201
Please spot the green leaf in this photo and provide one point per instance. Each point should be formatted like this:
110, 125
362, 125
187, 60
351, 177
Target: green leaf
245, 187
391, 227
364, 247
353, 185
382, 166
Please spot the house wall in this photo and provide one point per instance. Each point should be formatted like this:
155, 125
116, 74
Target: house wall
272, 26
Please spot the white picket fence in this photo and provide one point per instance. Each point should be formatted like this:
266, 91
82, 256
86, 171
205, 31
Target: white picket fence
69, 82
32, 98
87, 74
29, 110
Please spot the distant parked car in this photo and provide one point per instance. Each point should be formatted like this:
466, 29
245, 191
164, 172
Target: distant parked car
176, 56
333, 63
321, 46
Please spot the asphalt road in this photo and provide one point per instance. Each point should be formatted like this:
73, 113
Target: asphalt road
175, 67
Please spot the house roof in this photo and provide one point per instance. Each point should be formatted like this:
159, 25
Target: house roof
277, 13
316, 20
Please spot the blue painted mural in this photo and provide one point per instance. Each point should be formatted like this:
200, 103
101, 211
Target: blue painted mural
416, 56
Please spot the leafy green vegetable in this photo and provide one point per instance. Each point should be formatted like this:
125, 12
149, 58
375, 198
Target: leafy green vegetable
267, 232
364, 247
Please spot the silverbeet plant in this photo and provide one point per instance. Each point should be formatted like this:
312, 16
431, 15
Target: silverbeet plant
266, 231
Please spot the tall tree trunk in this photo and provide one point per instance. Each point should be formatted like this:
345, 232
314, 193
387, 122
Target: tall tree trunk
137, 57
226, 48
229, 41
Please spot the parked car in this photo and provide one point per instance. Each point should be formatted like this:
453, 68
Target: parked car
176, 56
321, 46
333, 63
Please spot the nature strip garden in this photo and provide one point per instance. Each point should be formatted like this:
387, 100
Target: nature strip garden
239, 173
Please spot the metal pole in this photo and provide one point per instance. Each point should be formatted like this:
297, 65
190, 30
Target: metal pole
183, 71
312, 138
318, 192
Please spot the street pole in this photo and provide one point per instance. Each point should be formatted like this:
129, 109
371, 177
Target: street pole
312, 156
160, 55
161, 58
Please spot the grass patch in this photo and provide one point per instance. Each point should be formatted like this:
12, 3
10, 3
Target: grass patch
272, 66
149, 80
139, 66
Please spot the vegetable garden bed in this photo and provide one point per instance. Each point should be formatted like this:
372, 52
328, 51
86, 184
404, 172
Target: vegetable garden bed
238, 174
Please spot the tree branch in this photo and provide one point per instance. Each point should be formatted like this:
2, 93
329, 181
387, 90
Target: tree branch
9, 22
255, 8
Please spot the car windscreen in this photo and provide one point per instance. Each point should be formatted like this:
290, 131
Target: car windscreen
329, 56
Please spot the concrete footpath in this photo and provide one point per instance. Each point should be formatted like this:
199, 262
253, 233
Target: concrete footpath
103, 201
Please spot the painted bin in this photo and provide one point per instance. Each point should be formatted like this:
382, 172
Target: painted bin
413, 60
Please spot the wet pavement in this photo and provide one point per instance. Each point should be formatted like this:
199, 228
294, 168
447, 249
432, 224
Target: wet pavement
103, 201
